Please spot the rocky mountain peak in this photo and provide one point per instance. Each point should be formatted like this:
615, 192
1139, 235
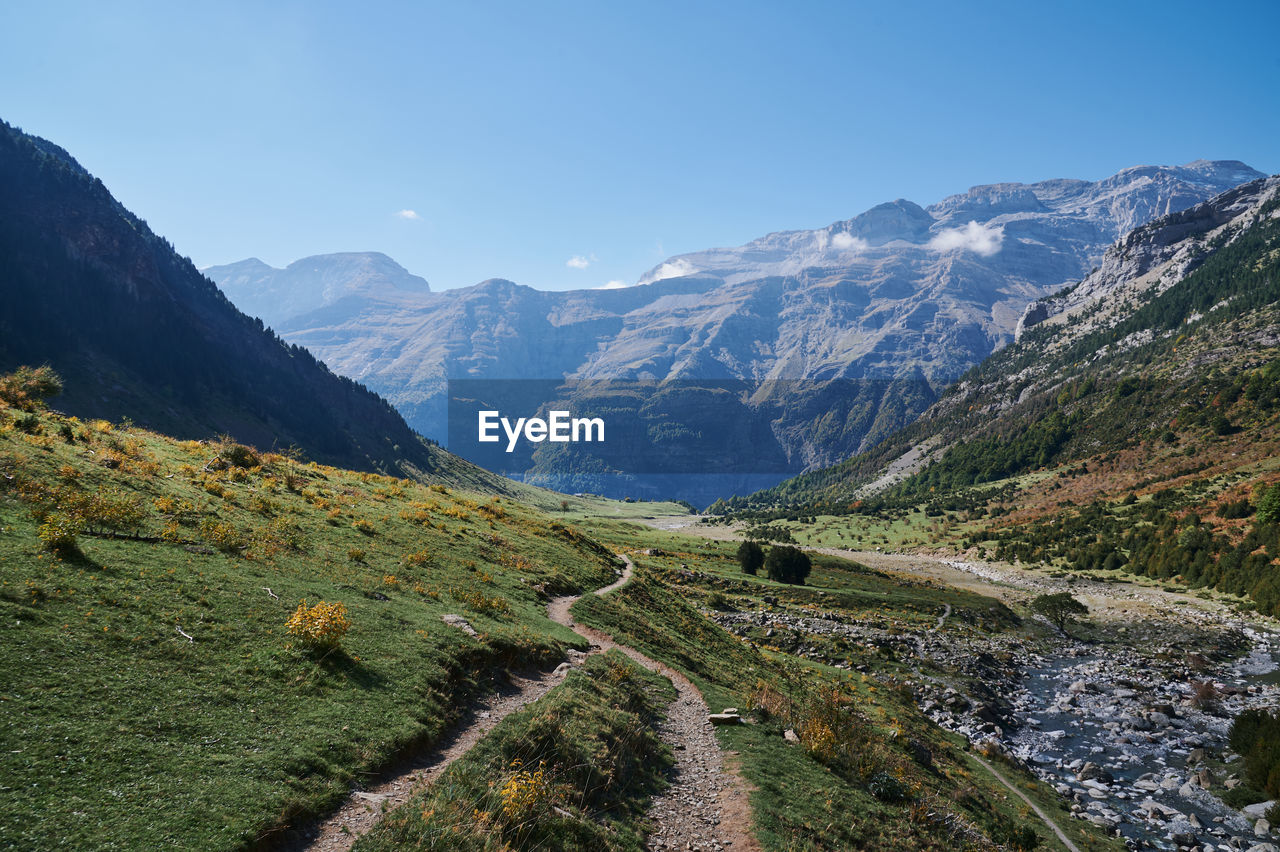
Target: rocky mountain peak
312, 283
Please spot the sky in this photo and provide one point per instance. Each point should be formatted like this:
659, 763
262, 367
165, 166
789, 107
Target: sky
569, 145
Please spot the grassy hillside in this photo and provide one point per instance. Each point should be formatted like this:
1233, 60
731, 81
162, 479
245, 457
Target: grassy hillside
154, 695
162, 688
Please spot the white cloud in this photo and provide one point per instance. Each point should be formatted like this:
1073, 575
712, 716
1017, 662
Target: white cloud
411, 215
848, 242
673, 269
613, 285
979, 239
579, 262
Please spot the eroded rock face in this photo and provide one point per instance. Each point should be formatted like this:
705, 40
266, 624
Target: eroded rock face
902, 297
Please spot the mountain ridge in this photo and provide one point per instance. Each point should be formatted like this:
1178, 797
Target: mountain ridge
914, 294
137, 332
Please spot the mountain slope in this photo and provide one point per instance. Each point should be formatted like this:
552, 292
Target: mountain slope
1135, 423
899, 294
137, 332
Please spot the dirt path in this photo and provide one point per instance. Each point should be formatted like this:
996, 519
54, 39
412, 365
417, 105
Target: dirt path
365, 808
704, 808
1066, 841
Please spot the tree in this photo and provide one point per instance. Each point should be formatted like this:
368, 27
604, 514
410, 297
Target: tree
750, 556
787, 564
1060, 608
1269, 506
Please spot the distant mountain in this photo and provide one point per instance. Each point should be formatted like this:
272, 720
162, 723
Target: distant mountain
350, 279
1135, 424
839, 335
1149, 357
136, 331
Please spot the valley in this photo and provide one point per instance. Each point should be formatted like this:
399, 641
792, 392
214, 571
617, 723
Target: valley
1021, 593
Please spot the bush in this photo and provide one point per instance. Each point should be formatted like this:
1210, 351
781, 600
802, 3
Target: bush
788, 564
27, 389
750, 556
58, 533
319, 627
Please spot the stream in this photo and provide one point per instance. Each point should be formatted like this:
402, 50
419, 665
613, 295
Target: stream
1137, 748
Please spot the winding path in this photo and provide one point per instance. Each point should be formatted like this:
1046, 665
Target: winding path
1066, 841
704, 808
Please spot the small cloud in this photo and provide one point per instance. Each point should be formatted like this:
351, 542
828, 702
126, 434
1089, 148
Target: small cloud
672, 269
411, 215
579, 262
844, 241
980, 239
614, 285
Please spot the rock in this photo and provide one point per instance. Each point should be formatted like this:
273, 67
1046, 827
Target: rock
1257, 809
1262, 828
724, 719
1093, 772
1263, 847
459, 622
790, 736
562, 668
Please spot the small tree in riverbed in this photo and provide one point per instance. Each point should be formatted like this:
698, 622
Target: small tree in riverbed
750, 556
1060, 608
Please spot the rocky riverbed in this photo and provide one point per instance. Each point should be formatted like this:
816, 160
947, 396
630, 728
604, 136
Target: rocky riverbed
1132, 729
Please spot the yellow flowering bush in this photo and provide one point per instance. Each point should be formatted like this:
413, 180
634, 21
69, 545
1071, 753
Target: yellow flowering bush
321, 626
525, 794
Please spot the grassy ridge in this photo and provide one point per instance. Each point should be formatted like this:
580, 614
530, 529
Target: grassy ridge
152, 694
572, 772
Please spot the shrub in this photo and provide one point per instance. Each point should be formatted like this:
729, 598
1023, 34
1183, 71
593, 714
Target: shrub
237, 455
221, 535
27, 389
58, 533
788, 564
319, 627
526, 795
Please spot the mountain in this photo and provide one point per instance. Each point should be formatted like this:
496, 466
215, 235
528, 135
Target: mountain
350, 280
1135, 423
836, 337
137, 332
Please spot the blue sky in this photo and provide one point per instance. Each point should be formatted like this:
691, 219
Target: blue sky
524, 135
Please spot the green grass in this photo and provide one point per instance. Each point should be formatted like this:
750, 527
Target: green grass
117, 731
806, 798
593, 741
